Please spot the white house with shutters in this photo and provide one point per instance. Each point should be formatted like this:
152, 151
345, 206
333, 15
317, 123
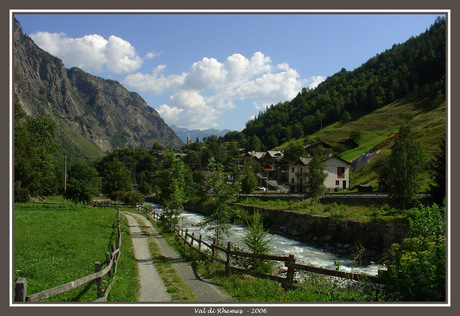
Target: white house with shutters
337, 169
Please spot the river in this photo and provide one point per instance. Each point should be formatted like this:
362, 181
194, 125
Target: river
280, 245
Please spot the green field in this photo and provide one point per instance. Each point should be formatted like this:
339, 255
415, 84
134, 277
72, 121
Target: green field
58, 243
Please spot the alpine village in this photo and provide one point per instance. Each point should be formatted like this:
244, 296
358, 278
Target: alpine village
338, 195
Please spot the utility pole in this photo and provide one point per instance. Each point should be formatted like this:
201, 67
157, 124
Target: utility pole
65, 174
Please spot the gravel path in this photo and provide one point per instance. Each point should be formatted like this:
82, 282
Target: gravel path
202, 288
152, 288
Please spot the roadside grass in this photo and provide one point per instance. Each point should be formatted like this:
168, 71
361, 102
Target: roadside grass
58, 243
125, 287
176, 287
243, 288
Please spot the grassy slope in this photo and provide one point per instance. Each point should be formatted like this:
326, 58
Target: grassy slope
75, 145
429, 122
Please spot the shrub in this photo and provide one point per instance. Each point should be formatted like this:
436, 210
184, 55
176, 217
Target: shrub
133, 198
417, 267
417, 270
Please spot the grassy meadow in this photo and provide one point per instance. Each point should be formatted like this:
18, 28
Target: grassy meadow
58, 243
415, 109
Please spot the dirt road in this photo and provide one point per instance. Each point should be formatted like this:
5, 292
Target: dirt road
152, 287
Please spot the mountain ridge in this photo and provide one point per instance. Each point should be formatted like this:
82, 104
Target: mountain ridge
102, 111
182, 132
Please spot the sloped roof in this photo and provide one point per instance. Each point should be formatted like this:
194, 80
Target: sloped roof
362, 159
256, 154
303, 161
339, 159
274, 154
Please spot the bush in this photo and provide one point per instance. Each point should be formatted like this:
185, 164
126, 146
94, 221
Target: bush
117, 195
417, 267
417, 270
133, 198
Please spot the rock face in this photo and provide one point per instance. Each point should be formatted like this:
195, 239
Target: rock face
100, 110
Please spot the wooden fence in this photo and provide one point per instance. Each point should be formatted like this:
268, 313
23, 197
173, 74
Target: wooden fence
198, 245
111, 269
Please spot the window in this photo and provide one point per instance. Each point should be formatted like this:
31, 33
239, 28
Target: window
337, 182
292, 169
340, 172
292, 180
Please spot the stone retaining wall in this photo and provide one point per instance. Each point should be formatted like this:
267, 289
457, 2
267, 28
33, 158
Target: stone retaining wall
332, 231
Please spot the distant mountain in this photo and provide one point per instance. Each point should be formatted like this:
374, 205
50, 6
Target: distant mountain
93, 115
183, 132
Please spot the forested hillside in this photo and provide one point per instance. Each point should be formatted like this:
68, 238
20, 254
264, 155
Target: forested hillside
348, 95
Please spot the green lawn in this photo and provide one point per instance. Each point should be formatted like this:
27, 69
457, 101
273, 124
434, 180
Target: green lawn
58, 243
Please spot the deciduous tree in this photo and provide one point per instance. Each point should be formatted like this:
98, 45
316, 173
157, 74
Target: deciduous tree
83, 183
403, 171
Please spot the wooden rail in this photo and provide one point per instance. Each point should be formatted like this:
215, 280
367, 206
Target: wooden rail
112, 260
197, 243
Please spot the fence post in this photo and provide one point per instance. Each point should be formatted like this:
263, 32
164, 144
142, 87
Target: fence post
20, 290
108, 257
199, 243
291, 270
213, 251
193, 237
186, 233
97, 268
114, 266
118, 229
227, 263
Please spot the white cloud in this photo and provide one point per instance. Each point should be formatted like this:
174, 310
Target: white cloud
155, 82
92, 53
315, 81
210, 87
151, 55
189, 109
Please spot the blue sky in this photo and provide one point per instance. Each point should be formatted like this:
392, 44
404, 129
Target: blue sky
218, 70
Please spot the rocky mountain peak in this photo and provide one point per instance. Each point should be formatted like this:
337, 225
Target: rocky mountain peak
100, 110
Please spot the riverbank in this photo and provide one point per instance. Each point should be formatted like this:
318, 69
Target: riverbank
365, 241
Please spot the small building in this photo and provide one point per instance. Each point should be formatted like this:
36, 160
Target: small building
338, 174
298, 175
337, 169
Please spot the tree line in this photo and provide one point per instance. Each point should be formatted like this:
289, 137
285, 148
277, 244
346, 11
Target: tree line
348, 94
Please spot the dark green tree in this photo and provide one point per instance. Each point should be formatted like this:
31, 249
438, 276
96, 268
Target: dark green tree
293, 153
249, 183
355, 136
254, 143
316, 174
34, 163
83, 183
438, 171
257, 240
403, 171
221, 194
116, 179
145, 188
171, 188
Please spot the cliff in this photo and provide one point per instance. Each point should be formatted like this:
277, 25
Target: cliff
102, 111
